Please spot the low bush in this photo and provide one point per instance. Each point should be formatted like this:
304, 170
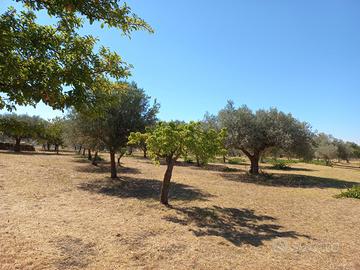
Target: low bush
236, 161
353, 192
279, 165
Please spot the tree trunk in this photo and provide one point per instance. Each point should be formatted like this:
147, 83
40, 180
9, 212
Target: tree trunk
197, 162
83, 153
145, 152
254, 167
80, 149
113, 164
89, 154
224, 159
57, 148
17, 145
48, 146
164, 194
94, 161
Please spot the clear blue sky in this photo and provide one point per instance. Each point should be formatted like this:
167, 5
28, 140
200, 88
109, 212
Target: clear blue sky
300, 56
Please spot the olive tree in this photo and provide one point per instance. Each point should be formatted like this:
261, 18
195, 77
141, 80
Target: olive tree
325, 148
20, 127
125, 108
254, 132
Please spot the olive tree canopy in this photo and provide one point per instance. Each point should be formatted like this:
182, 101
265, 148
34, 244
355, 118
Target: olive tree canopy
254, 132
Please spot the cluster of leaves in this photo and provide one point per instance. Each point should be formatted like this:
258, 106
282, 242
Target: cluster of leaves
353, 192
54, 63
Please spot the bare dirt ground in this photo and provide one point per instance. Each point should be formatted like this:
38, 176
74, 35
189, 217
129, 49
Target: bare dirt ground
60, 212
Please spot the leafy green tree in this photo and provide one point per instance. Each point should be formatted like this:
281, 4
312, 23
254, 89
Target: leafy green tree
54, 63
204, 143
54, 133
138, 139
125, 108
253, 133
325, 148
20, 127
344, 150
167, 141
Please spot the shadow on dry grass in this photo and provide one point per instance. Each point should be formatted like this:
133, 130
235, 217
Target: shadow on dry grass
289, 180
238, 226
35, 153
208, 167
104, 167
128, 187
288, 169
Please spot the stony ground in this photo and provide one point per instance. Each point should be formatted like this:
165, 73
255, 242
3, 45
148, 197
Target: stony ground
60, 212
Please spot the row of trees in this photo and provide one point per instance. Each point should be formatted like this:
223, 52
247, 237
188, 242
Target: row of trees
20, 128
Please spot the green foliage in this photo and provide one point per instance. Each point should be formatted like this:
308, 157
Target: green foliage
54, 132
236, 160
167, 140
138, 139
284, 161
253, 133
280, 165
316, 162
125, 108
20, 127
204, 143
353, 192
37, 61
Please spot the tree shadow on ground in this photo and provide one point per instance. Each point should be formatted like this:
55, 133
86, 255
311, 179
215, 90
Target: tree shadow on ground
238, 226
349, 167
208, 167
104, 167
289, 180
128, 187
288, 169
34, 153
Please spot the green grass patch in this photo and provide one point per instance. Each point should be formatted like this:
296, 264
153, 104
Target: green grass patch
353, 192
236, 161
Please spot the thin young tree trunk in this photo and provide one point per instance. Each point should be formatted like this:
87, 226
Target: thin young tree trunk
164, 194
80, 149
94, 161
224, 159
145, 152
89, 154
83, 153
57, 148
113, 164
17, 145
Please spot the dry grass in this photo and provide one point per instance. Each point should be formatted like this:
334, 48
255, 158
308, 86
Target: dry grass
60, 212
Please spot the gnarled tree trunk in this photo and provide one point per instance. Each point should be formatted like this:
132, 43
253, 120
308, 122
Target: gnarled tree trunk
164, 194
17, 145
94, 161
113, 164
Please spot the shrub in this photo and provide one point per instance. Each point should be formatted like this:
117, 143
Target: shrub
280, 165
236, 161
353, 192
228, 169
